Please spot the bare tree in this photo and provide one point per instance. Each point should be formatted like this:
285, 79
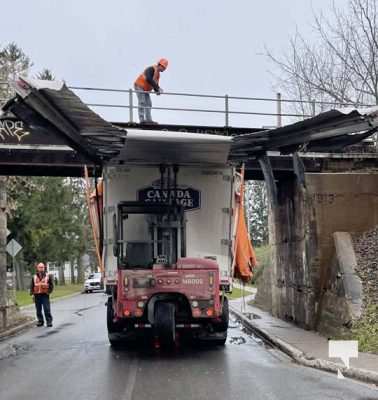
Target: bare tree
341, 67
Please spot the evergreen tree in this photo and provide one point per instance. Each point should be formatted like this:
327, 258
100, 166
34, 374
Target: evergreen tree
45, 75
51, 222
13, 62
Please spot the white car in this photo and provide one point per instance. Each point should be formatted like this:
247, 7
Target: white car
93, 282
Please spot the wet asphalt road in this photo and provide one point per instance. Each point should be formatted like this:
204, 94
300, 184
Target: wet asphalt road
73, 361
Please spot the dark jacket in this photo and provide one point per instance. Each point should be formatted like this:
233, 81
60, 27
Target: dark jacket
149, 74
51, 282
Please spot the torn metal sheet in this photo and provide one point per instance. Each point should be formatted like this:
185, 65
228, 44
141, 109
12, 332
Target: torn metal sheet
51, 103
320, 132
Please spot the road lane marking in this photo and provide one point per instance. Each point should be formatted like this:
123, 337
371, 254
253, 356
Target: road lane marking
131, 378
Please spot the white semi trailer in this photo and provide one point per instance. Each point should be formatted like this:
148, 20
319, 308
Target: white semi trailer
205, 193
169, 228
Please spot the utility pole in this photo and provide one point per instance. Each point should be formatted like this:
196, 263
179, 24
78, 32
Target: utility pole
3, 254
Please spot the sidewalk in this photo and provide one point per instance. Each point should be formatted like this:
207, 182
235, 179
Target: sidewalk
299, 343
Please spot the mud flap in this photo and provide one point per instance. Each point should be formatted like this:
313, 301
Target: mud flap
215, 338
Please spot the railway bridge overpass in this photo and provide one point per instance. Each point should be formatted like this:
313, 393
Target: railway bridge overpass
320, 173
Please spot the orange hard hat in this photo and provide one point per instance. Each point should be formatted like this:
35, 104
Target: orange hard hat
163, 62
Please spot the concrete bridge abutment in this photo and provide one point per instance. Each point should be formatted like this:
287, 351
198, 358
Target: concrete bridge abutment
304, 261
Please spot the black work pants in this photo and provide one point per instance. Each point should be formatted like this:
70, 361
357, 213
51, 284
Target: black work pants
43, 301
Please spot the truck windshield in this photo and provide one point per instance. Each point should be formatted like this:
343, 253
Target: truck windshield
136, 243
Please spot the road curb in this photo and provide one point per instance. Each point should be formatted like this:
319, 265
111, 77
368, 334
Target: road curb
301, 358
15, 330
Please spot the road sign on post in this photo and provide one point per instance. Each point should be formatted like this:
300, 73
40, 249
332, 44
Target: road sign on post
13, 247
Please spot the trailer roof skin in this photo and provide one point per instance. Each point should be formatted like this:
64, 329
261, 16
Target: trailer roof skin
156, 147
51, 107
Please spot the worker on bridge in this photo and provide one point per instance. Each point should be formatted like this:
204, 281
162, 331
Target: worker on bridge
143, 85
41, 287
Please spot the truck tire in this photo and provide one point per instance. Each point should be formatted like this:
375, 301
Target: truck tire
225, 317
114, 329
165, 323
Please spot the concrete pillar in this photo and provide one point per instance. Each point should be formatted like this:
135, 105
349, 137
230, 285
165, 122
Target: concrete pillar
3, 255
293, 242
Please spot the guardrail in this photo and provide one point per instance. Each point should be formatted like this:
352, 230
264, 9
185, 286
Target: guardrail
226, 110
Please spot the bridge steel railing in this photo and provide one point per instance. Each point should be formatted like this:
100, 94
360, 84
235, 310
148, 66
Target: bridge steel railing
312, 106
225, 110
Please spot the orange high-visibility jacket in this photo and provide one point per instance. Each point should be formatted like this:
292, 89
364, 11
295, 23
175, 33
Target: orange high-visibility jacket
41, 286
141, 81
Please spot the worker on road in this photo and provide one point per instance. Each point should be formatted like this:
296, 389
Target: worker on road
145, 82
41, 287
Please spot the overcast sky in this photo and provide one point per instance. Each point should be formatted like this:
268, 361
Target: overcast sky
213, 46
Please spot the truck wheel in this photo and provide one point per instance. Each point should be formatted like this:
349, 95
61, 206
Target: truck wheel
225, 317
114, 329
165, 322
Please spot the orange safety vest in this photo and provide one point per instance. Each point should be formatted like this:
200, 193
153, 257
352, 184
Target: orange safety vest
41, 286
142, 83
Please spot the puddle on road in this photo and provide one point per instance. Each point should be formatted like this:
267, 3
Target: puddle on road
237, 340
251, 315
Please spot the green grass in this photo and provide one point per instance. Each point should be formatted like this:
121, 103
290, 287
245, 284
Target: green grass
263, 260
237, 293
23, 297
366, 330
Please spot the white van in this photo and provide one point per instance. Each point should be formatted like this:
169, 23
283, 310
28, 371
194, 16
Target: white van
93, 282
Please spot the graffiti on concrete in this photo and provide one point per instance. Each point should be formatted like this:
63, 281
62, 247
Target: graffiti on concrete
326, 198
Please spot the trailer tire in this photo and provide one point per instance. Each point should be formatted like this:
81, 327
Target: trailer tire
165, 323
225, 318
